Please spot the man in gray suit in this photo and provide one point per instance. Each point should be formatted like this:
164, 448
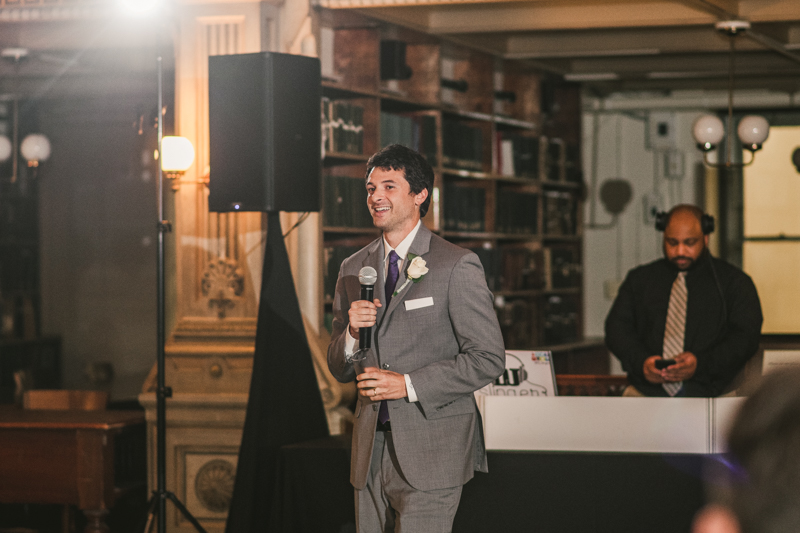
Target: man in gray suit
418, 435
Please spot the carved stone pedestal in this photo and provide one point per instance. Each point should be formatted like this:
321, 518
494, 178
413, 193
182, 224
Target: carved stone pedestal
203, 436
209, 371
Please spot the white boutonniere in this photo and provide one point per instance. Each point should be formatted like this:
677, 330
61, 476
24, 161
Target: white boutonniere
415, 272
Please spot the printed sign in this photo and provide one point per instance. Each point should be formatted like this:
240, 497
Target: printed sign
526, 374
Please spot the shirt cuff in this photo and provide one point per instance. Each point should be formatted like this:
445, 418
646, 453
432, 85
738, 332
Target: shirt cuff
349, 345
412, 395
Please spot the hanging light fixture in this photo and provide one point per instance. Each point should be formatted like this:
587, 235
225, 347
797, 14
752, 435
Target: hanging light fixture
708, 130
177, 155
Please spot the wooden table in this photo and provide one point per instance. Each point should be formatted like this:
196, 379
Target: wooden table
82, 458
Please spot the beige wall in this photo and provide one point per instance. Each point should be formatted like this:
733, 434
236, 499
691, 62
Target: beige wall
772, 208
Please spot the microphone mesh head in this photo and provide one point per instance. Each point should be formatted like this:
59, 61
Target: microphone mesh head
367, 276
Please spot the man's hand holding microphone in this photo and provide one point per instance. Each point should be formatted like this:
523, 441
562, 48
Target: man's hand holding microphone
372, 382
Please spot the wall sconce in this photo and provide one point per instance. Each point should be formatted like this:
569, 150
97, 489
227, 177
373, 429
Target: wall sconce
708, 130
5, 148
176, 158
35, 148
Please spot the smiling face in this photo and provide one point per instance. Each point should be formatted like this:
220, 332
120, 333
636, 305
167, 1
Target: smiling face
394, 208
684, 240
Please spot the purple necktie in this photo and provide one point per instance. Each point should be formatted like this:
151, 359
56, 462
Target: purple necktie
391, 275
391, 281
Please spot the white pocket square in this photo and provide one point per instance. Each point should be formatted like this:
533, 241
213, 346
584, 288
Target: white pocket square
418, 303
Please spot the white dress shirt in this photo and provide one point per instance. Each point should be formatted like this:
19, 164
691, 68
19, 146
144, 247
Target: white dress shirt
402, 252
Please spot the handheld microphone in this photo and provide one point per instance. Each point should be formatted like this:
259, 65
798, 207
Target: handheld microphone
367, 276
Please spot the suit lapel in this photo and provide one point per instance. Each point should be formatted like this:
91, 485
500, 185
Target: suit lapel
419, 247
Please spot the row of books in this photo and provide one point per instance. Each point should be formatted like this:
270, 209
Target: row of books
561, 323
517, 212
464, 208
522, 328
535, 157
518, 322
519, 268
462, 145
563, 268
342, 126
515, 155
560, 213
414, 131
332, 257
345, 203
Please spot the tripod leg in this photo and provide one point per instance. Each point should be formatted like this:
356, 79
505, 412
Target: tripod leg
152, 509
185, 512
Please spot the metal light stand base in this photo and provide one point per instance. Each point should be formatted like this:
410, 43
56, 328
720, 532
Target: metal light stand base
158, 502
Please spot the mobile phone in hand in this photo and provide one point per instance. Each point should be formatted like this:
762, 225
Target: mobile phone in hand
664, 363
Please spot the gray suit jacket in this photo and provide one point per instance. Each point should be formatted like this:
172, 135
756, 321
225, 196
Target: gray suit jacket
450, 349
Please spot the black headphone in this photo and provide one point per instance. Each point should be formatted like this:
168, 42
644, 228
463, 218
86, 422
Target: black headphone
706, 222
522, 374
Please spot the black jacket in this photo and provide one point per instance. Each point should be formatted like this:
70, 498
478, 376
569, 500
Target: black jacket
723, 322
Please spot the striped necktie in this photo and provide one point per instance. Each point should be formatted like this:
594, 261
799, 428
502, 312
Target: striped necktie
675, 329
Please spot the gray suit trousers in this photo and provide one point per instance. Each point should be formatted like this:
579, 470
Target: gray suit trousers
388, 504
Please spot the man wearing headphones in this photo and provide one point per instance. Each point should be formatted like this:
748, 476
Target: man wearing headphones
686, 324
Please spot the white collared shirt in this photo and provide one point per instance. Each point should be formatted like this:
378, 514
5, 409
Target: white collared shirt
401, 250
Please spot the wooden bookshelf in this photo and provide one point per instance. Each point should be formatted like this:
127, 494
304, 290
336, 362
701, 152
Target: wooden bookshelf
507, 173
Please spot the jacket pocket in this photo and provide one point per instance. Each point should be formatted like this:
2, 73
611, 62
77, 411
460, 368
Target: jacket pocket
462, 406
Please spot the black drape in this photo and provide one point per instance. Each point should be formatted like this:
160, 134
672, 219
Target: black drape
285, 406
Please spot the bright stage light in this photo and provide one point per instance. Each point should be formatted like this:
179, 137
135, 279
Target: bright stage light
139, 7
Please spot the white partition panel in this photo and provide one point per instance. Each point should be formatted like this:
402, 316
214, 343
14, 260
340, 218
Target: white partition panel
724, 411
598, 424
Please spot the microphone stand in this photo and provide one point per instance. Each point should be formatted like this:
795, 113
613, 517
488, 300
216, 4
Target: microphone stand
157, 506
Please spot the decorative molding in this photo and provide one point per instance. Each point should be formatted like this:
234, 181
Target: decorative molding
213, 485
223, 285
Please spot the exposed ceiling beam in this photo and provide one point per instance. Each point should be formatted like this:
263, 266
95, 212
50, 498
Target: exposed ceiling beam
773, 45
723, 9
628, 42
532, 17
775, 10
657, 44
708, 65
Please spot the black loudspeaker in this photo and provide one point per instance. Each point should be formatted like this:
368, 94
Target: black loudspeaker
265, 127
706, 222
